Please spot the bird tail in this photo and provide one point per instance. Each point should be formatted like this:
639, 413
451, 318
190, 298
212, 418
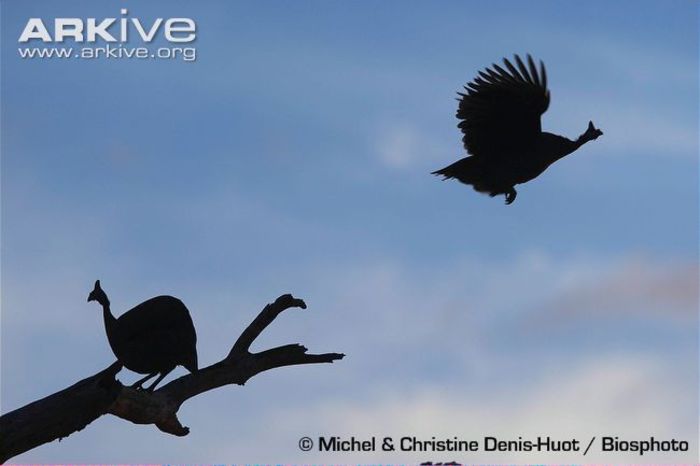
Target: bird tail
465, 170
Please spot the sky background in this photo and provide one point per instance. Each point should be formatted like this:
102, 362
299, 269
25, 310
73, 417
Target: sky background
294, 156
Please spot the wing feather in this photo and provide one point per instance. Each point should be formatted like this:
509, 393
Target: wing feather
543, 72
501, 109
523, 70
533, 70
514, 71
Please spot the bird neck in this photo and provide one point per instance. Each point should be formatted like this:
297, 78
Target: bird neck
584, 138
555, 147
110, 324
568, 146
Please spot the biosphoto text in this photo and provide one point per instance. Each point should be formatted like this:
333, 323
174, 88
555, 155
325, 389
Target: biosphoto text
109, 38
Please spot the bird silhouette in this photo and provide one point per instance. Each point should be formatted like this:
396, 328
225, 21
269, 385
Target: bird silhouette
152, 338
500, 119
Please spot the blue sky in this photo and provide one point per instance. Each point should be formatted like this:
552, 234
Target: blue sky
294, 156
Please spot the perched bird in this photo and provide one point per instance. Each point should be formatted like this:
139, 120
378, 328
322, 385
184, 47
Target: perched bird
152, 338
500, 119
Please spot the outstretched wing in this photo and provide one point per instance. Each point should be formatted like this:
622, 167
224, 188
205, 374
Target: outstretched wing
501, 110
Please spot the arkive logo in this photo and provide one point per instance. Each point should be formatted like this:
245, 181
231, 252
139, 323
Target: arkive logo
123, 37
110, 30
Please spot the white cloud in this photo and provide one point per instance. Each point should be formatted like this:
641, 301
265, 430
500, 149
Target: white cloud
397, 147
626, 395
404, 145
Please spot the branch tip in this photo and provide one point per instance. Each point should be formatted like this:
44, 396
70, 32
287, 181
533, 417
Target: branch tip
287, 300
172, 426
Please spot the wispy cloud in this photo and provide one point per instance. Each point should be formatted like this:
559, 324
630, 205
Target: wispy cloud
625, 394
636, 286
398, 147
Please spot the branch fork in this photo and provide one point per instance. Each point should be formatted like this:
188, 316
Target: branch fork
70, 410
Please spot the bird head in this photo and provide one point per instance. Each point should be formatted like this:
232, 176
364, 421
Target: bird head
592, 132
97, 294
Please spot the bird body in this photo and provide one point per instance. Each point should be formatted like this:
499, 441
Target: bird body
152, 338
500, 119
495, 175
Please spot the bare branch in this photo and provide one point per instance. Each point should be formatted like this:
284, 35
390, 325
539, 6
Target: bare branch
58, 415
72, 409
265, 318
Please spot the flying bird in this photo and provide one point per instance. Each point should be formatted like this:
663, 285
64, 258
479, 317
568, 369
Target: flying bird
152, 338
500, 119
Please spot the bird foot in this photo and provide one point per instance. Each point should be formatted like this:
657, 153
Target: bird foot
510, 196
140, 388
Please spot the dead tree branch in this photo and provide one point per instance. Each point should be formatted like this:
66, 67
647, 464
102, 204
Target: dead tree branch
70, 410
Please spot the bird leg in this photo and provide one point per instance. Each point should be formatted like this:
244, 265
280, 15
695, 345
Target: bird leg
161, 377
510, 195
138, 384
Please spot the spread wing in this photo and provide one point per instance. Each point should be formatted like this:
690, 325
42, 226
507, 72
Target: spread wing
501, 110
